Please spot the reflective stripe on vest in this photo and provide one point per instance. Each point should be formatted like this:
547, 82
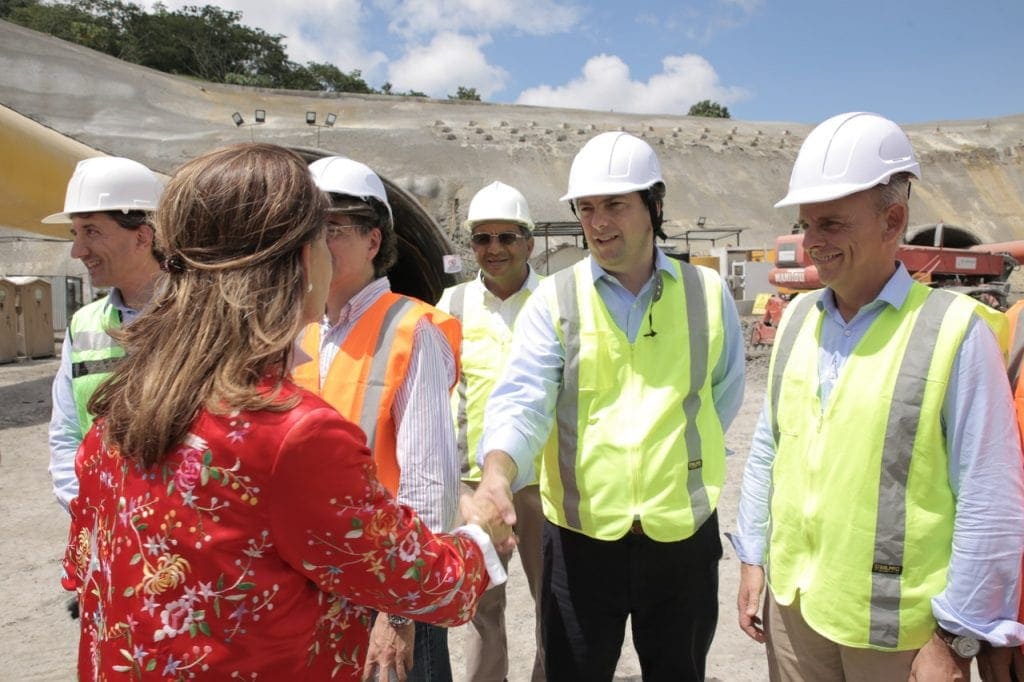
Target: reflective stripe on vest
892, 486
94, 354
803, 304
645, 449
566, 406
379, 368
1016, 345
697, 319
804, 554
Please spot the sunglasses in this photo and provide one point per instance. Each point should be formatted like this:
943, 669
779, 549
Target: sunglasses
504, 238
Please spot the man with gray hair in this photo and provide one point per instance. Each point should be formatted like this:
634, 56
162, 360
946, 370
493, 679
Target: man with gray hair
866, 502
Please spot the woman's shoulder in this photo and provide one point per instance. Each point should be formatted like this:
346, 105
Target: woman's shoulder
306, 411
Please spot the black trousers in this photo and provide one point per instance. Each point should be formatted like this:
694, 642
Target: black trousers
669, 590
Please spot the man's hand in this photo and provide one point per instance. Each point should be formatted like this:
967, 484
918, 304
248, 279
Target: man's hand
748, 601
1001, 664
390, 648
490, 506
936, 662
484, 513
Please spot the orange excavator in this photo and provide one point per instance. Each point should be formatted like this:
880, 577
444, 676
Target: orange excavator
954, 259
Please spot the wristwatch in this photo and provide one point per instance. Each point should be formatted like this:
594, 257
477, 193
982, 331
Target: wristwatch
962, 646
398, 621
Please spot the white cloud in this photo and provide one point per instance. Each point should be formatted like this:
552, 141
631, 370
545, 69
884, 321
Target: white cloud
605, 85
533, 17
450, 60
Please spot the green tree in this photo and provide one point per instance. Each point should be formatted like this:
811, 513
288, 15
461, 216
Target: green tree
466, 94
206, 42
330, 78
710, 109
83, 22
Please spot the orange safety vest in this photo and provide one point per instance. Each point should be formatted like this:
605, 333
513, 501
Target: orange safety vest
370, 365
1014, 369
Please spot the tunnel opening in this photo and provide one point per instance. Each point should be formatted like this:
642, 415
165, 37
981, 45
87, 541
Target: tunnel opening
941, 234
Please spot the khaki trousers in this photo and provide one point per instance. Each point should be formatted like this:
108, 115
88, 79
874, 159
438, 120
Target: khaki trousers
796, 653
486, 643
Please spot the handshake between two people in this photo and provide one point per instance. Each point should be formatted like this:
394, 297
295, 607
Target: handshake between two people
490, 506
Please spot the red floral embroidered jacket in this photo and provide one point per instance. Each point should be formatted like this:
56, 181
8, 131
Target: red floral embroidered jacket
254, 551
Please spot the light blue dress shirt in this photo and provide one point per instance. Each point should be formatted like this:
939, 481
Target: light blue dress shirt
521, 410
978, 420
65, 431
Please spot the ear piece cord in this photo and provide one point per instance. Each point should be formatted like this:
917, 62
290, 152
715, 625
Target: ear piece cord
658, 288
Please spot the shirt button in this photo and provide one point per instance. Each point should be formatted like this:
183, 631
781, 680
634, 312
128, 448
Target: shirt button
847, 333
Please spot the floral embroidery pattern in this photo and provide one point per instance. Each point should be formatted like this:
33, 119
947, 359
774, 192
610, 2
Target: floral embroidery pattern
182, 570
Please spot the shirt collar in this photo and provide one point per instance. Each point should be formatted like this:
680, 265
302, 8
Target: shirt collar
117, 300
532, 280
358, 304
661, 262
894, 293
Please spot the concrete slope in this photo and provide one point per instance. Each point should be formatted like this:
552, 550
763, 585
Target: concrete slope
729, 171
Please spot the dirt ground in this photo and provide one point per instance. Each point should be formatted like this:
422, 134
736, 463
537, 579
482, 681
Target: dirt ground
39, 640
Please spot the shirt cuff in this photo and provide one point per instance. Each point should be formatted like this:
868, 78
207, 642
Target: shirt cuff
508, 440
999, 632
749, 550
495, 571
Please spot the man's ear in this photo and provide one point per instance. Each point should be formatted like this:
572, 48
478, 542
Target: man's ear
145, 235
376, 237
895, 221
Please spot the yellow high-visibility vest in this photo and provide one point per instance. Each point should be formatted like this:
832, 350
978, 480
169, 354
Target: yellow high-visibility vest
486, 343
94, 354
862, 511
638, 434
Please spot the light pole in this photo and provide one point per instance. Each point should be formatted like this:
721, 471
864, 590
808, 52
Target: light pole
329, 121
259, 118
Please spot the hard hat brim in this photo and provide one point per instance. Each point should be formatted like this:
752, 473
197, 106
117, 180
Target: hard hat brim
610, 189
470, 224
817, 195
54, 218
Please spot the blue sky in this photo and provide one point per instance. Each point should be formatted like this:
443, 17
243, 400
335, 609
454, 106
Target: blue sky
767, 60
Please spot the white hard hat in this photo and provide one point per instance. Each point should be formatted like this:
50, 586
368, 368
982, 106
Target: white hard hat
498, 201
846, 154
340, 175
109, 183
613, 163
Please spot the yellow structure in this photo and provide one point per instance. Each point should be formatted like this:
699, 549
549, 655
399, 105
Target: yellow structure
36, 163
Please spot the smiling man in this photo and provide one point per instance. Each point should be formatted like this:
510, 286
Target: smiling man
109, 202
633, 363
888, 426
502, 240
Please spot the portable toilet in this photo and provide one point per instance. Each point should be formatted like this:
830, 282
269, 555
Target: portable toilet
8, 322
34, 302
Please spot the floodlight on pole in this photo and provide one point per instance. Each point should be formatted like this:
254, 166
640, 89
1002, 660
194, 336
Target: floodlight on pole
259, 118
329, 121
701, 221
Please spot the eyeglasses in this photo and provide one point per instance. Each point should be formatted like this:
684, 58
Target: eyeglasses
504, 238
334, 230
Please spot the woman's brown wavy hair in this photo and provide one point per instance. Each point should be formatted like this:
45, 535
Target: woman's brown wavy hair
232, 224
